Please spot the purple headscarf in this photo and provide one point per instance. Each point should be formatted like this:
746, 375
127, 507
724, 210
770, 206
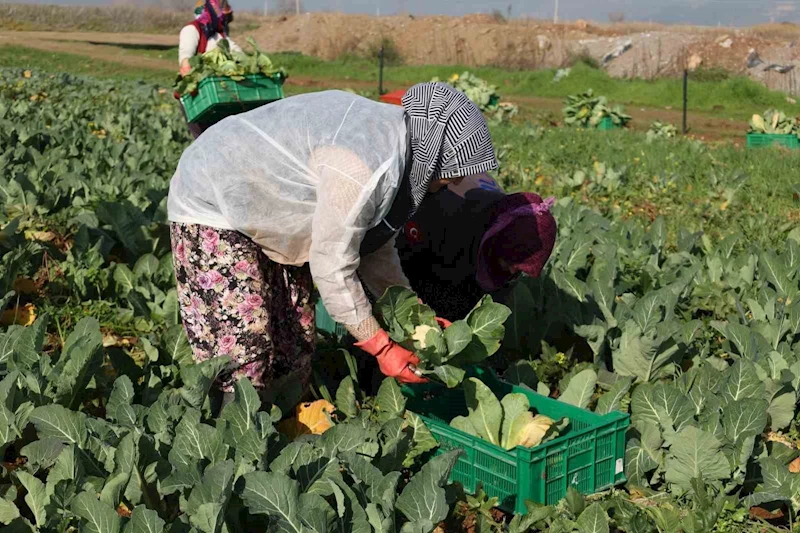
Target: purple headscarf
521, 234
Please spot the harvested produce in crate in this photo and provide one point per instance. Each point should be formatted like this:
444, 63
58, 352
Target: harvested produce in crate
587, 110
476, 89
661, 130
507, 423
443, 354
221, 61
484, 95
773, 122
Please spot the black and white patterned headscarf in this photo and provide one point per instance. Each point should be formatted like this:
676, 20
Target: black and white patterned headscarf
449, 137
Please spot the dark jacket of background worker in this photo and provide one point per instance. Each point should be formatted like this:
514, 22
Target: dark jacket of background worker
472, 239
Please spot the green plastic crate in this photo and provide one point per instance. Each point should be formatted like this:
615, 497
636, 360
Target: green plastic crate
607, 124
589, 455
326, 323
218, 97
758, 140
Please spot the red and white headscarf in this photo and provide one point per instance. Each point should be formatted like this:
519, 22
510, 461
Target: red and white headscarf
211, 17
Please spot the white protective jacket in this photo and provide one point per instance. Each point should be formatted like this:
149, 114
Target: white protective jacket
305, 178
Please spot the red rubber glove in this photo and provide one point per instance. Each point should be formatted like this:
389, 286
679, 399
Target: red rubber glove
443, 322
393, 359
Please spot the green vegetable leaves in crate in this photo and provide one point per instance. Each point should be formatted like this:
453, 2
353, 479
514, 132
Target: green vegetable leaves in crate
223, 83
773, 122
516, 457
589, 111
223, 62
773, 128
484, 95
508, 423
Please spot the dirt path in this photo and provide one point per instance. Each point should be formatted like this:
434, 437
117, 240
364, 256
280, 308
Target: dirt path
97, 46
700, 124
120, 48
151, 39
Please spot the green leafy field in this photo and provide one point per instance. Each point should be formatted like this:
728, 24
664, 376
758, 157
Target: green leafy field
672, 295
712, 188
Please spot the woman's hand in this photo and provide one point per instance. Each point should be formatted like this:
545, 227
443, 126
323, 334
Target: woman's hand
393, 359
185, 67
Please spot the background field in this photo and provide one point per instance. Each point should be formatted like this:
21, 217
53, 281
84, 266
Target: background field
478, 40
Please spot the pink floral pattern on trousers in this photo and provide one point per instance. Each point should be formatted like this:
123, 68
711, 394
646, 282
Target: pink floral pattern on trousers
236, 302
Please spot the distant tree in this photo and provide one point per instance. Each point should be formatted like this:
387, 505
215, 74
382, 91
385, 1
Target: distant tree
616, 16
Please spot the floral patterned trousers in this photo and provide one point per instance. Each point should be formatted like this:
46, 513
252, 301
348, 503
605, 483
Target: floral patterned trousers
236, 302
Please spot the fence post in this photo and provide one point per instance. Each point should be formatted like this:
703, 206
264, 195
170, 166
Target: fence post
685, 99
380, 70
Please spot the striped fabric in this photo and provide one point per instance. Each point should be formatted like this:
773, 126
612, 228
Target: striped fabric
449, 137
